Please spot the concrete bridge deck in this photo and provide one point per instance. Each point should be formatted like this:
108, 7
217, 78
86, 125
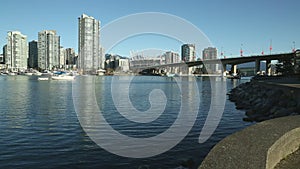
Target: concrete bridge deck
230, 61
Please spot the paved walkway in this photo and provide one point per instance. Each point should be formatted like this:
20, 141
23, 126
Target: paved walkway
291, 83
291, 162
249, 148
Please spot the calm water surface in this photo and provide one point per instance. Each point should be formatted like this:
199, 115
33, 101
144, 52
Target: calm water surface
39, 126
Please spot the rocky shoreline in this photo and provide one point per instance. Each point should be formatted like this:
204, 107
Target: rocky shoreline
263, 102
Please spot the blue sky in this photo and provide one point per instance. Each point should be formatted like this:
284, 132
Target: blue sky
227, 24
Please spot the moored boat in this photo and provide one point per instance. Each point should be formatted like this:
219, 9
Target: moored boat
101, 72
63, 77
28, 74
12, 73
171, 75
43, 78
37, 73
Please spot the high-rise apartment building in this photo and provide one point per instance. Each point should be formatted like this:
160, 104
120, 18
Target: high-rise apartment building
1, 58
48, 50
33, 55
102, 57
70, 56
171, 57
208, 54
16, 53
4, 49
188, 52
88, 44
62, 57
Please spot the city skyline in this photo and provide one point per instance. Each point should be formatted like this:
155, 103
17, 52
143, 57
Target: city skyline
250, 25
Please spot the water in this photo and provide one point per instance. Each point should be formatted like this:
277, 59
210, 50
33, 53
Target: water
40, 129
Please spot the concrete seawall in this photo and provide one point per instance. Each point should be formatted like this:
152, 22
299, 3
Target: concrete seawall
260, 146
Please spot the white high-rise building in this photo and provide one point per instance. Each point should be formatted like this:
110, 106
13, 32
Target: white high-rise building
123, 64
48, 50
171, 57
88, 44
62, 57
16, 51
102, 57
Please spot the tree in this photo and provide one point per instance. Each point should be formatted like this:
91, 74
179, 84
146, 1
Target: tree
285, 67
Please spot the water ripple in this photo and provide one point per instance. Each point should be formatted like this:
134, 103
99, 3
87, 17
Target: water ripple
40, 129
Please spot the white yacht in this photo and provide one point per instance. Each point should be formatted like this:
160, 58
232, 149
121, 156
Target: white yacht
12, 73
101, 72
43, 78
37, 73
28, 73
62, 76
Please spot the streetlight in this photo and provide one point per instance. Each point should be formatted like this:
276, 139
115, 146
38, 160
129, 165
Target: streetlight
294, 49
224, 54
241, 51
271, 47
221, 52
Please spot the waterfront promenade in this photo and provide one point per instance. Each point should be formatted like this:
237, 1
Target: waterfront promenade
268, 144
292, 161
261, 146
291, 83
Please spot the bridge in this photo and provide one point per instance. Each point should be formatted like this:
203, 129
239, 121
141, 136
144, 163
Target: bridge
232, 61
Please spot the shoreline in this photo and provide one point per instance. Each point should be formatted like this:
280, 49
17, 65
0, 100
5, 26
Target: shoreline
267, 99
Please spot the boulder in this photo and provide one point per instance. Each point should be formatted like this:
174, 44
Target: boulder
144, 167
282, 112
263, 103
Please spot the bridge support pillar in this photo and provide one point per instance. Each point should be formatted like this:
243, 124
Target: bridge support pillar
268, 67
234, 69
190, 70
177, 70
257, 66
223, 68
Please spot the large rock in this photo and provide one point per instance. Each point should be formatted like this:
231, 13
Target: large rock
282, 112
262, 103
